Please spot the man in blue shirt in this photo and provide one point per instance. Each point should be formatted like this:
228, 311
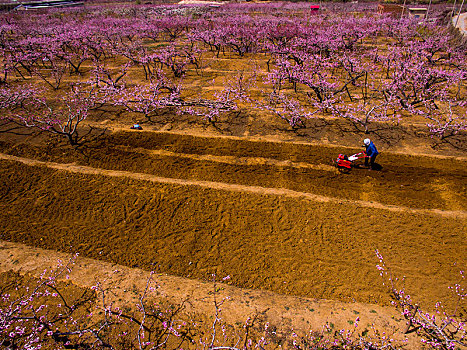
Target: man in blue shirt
371, 153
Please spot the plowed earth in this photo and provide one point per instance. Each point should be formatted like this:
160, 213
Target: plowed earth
272, 215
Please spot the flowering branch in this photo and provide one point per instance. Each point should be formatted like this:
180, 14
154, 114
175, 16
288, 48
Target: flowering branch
440, 330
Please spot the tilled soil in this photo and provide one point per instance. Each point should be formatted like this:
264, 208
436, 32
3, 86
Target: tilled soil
285, 244
411, 181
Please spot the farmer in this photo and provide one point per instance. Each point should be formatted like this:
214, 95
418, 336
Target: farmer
371, 153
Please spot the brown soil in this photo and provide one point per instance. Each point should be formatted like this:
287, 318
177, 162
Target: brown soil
273, 215
404, 181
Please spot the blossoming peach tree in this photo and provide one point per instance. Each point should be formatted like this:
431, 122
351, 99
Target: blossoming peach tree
441, 329
40, 314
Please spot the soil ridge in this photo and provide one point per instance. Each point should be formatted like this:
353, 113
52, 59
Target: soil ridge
459, 214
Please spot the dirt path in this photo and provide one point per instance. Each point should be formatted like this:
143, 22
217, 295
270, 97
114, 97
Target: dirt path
284, 312
231, 187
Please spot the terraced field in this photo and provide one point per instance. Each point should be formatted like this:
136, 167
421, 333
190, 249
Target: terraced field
272, 215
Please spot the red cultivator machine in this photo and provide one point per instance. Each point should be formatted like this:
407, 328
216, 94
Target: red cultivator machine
345, 163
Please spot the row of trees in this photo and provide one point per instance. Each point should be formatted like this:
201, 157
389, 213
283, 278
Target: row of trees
362, 69
43, 313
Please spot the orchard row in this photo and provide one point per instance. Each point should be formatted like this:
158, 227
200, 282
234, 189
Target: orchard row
279, 59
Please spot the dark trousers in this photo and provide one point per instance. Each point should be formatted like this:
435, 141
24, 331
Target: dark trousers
372, 161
